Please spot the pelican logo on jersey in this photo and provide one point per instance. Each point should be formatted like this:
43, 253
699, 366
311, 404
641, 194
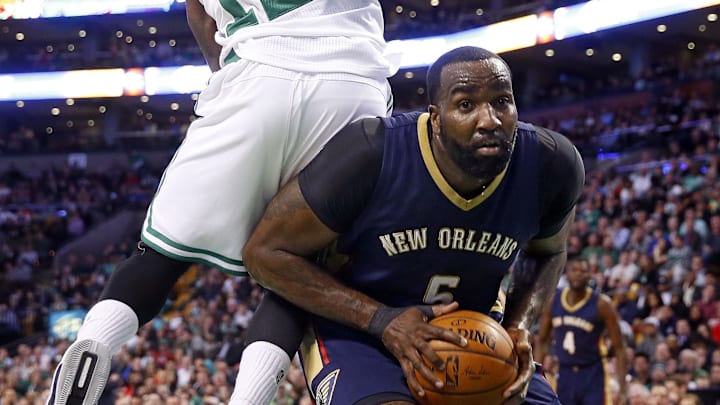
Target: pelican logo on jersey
569, 320
471, 240
325, 389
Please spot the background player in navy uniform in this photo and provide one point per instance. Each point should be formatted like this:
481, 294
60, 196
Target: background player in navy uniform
578, 319
425, 208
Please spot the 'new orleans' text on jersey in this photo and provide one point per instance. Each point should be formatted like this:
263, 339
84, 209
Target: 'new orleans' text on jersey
469, 240
432, 245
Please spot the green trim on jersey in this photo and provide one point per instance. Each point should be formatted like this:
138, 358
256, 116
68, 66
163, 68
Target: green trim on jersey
273, 9
175, 256
231, 57
277, 8
189, 249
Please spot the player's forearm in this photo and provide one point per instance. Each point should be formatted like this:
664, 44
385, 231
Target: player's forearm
309, 287
533, 284
622, 367
203, 29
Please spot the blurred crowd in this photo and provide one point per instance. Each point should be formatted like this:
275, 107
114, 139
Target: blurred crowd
648, 222
647, 227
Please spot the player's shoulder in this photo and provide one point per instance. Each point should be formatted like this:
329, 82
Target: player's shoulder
553, 142
403, 119
558, 153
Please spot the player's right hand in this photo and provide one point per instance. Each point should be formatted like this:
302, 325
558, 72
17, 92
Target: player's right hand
407, 337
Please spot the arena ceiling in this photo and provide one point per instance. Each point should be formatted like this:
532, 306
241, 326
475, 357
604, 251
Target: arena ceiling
568, 55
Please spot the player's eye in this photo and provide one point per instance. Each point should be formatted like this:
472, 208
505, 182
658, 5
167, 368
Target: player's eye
465, 105
502, 101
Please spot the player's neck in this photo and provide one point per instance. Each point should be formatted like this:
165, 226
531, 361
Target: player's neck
574, 296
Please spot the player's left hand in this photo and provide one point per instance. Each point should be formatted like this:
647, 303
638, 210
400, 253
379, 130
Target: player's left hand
407, 337
515, 394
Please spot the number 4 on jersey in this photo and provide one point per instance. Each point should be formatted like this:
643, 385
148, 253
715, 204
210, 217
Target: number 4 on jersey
568, 342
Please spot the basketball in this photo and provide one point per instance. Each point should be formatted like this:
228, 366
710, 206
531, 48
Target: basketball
476, 374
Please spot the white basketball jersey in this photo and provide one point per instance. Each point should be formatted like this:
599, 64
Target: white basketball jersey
316, 36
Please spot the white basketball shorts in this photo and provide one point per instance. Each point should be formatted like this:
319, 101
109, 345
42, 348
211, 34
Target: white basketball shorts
259, 126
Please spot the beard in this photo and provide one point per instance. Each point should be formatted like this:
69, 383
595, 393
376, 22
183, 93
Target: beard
481, 167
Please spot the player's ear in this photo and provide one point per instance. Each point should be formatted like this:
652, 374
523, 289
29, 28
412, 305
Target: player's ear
434, 111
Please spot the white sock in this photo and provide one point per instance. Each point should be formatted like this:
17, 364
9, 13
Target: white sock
262, 367
110, 322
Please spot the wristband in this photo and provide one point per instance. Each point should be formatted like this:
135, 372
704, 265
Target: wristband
381, 318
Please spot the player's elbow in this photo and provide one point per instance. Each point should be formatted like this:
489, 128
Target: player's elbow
255, 258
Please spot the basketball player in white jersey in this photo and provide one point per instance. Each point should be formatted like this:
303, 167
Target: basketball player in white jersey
287, 76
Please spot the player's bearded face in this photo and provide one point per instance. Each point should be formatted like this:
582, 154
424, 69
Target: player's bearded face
473, 163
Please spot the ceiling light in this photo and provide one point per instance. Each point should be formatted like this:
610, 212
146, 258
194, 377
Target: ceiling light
55, 111
589, 52
549, 53
616, 57
19, 36
661, 28
712, 17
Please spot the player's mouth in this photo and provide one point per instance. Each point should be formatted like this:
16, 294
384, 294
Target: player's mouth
488, 149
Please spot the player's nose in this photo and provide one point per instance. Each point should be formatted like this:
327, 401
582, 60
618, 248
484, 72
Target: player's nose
488, 119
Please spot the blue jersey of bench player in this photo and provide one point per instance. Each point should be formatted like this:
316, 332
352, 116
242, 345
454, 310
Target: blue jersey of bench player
578, 343
415, 240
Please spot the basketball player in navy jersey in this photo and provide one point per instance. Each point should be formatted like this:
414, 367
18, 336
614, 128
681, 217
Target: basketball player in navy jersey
578, 319
425, 208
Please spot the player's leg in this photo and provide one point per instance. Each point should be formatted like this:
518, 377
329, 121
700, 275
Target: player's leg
134, 295
272, 338
566, 384
540, 392
322, 106
192, 212
343, 366
595, 382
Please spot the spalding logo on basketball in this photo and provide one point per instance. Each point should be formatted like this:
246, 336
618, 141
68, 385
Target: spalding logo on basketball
478, 373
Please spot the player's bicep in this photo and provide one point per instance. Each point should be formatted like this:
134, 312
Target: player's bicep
290, 225
564, 173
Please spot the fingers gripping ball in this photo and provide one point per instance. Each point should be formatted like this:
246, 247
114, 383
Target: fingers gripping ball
476, 374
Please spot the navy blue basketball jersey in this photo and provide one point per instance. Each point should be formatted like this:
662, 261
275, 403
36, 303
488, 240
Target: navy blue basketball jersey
577, 330
419, 241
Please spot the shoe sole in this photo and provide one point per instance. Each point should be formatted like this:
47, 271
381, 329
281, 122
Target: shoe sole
83, 373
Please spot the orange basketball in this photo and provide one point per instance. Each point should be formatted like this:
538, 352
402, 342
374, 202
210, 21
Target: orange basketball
476, 374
